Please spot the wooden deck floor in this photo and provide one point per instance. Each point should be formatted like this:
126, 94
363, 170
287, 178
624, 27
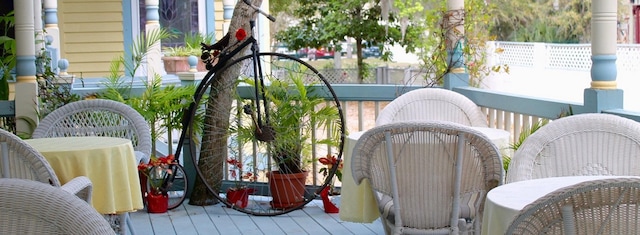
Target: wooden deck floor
217, 219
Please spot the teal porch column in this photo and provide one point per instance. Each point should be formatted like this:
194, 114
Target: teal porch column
603, 93
457, 75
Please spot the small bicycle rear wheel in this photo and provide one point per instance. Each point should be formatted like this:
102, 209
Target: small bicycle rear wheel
177, 188
248, 121
177, 184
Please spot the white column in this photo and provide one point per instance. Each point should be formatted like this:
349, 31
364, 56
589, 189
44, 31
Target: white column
604, 44
37, 24
264, 32
154, 56
454, 39
455, 35
51, 23
26, 89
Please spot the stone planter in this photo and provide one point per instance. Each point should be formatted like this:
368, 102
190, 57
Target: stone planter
175, 64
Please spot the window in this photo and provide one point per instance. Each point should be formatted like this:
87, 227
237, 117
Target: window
176, 16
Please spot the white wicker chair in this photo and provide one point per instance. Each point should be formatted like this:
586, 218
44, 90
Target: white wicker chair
433, 104
19, 160
607, 206
428, 177
31, 207
583, 144
99, 117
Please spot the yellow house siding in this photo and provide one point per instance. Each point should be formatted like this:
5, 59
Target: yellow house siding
219, 16
91, 35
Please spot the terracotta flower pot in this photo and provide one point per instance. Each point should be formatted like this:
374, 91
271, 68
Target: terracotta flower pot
287, 190
239, 197
157, 203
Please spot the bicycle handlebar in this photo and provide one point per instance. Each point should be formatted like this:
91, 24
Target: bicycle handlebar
270, 17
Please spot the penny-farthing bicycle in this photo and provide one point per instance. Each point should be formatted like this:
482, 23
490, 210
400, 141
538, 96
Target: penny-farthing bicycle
266, 114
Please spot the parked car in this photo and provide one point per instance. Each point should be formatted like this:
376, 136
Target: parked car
319, 53
283, 49
371, 52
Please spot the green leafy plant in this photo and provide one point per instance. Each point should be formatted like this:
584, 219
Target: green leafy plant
521, 138
52, 93
191, 45
8, 52
293, 104
527, 132
161, 106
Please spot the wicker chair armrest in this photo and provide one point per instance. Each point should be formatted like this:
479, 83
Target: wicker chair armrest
80, 186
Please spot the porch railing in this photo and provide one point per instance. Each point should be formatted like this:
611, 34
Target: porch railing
362, 102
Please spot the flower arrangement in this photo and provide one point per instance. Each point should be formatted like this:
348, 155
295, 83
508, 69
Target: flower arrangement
156, 171
238, 195
238, 175
329, 161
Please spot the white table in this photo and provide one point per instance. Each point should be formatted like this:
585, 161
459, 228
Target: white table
357, 203
504, 202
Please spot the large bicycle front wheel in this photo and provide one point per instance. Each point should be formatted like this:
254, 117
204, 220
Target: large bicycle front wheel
267, 119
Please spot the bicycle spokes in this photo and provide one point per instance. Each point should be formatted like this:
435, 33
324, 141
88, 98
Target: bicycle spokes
264, 133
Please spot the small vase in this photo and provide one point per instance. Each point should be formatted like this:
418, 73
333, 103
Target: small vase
329, 207
157, 203
239, 197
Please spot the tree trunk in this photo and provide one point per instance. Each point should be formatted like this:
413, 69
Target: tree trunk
213, 155
360, 60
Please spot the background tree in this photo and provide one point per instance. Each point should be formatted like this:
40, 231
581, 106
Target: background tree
439, 26
554, 21
322, 23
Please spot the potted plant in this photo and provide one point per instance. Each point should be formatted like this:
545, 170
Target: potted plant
294, 114
238, 195
153, 175
176, 58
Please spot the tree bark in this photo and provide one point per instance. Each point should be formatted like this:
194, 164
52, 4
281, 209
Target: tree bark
214, 154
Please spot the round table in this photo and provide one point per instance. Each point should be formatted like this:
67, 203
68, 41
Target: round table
357, 202
108, 162
504, 202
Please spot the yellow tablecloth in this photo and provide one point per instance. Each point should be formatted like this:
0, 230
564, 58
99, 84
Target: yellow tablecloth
357, 203
109, 163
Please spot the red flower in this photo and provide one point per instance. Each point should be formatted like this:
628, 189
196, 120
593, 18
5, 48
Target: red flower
329, 161
235, 162
241, 34
238, 175
156, 176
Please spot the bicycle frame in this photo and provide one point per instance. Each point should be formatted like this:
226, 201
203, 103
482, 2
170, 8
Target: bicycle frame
223, 59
